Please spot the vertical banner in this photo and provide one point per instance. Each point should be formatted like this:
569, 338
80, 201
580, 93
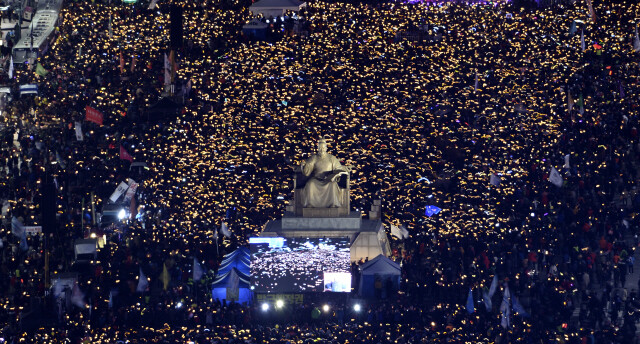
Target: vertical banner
133, 187
119, 191
79, 135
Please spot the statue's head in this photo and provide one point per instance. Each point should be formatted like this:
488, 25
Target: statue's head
322, 146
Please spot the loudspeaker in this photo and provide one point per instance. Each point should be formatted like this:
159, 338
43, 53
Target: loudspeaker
48, 207
175, 30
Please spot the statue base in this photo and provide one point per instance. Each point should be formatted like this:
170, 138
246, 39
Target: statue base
368, 238
348, 221
325, 212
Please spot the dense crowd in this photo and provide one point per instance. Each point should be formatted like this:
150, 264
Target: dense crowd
426, 101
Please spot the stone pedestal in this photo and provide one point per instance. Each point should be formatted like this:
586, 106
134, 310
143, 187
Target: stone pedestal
324, 212
349, 222
368, 238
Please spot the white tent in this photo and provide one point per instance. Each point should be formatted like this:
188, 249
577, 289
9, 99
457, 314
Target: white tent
85, 248
273, 8
379, 268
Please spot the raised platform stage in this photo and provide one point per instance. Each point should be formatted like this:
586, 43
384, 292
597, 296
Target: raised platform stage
368, 238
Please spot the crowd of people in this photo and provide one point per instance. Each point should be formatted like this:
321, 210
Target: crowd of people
468, 107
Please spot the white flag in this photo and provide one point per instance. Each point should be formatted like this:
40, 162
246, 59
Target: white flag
5, 208
475, 85
79, 135
197, 270
143, 282
225, 230
11, 66
582, 44
566, 161
119, 191
636, 41
555, 178
17, 228
404, 232
487, 301
505, 309
153, 4
494, 180
396, 232
234, 285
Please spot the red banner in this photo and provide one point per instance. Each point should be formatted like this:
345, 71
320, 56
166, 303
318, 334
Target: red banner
93, 115
124, 155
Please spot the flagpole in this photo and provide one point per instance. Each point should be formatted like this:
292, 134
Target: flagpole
93, 209
46, 263
82, 217
195, 283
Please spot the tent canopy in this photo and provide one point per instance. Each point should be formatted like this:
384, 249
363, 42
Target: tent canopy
239, 262
382, 270
272, 8
380, 265
241, 252
227, 280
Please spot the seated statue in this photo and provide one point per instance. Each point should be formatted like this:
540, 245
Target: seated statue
323, 170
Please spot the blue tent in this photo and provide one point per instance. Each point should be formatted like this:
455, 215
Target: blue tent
232, 286
238, 259
241, 252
